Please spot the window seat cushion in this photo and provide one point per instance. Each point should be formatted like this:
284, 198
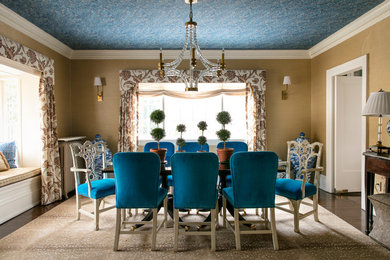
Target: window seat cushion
18, 174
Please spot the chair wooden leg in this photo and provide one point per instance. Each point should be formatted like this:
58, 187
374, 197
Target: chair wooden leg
214, 216
274, 232
224, 211
154, 229
257, 211
237, 229
78, 206
96, 204
296, 205
315, 207
166, 212
117, 229
176, 227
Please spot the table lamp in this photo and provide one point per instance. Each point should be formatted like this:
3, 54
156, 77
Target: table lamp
378, 104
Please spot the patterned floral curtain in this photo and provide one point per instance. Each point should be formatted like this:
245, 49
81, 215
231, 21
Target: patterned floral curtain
255, 103
50, 162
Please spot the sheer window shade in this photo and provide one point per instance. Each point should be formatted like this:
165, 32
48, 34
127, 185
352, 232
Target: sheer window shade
206, 90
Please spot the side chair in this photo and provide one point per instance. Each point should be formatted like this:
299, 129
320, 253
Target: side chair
193, 147
137, 185
238, 146
195, 186
96, 189
170, 151
253, 179
303, 159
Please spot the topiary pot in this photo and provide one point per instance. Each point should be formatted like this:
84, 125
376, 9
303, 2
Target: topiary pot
161, 153
201, 151
224, 155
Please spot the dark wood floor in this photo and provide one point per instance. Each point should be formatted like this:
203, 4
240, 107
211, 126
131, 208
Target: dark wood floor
347, 207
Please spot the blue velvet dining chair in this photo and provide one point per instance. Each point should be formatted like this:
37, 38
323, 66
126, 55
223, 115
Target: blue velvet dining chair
253, 186
168, 145
238, 146
303, 173
137, 185
170, 151
193, 147
195, 186
93, 188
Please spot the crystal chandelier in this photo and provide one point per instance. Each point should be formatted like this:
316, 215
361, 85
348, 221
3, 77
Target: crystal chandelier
210, 68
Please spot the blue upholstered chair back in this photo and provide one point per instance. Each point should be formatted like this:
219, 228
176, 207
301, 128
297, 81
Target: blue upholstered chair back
194, 180
253, 179
136, 179
236, 145
192, 147
168, 145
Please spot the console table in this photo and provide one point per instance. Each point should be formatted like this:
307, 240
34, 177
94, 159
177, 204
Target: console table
374, 164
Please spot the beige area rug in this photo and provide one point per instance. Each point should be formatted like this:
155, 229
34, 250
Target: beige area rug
57, 235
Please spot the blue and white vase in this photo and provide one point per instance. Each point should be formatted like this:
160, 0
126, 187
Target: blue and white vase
388, 127
301, 138
99, 159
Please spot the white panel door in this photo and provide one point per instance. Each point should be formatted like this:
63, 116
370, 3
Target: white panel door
348, 133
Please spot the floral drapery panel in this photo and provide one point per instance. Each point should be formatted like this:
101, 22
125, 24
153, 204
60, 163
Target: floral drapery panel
255, 103
50, 162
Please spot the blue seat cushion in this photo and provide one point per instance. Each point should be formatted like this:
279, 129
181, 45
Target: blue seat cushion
229, 180
291, 189
228, 194
99, 188
170, 180
162, 193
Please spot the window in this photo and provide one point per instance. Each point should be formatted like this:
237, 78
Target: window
190, 108
10, 107
20, 114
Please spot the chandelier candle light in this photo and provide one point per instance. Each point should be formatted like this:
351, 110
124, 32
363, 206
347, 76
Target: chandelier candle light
191, 81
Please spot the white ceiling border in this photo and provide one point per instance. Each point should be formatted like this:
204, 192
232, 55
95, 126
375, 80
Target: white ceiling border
368, 19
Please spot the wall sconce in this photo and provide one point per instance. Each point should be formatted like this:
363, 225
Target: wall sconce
286, 83
99, 87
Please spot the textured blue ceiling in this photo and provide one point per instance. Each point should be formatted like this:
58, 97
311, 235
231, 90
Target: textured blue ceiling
232, 24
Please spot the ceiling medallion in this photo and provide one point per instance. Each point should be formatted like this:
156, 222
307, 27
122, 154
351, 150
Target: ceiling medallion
191, 42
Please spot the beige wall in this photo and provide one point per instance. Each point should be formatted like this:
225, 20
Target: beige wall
285, 118
374, 41
62, 77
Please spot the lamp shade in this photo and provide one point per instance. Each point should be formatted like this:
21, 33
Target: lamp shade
378, 104
286, 80
97, 81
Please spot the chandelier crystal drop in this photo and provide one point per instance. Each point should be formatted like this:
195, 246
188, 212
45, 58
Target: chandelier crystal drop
191, 43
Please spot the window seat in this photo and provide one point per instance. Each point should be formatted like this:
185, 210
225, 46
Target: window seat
18, 174
20, 190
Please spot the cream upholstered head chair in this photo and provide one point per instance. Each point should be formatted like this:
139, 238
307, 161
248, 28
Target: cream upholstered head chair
303, 173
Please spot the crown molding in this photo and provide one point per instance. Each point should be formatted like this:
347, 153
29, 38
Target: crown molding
172, 54
17, 22
368, 19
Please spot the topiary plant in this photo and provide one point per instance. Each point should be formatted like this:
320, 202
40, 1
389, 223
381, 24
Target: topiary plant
223, 118
202, 140
181, 128
157, 117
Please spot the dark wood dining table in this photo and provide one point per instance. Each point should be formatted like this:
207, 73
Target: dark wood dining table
165, 171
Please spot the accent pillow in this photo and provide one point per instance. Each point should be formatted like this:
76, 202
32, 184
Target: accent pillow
3, 163
9, 151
